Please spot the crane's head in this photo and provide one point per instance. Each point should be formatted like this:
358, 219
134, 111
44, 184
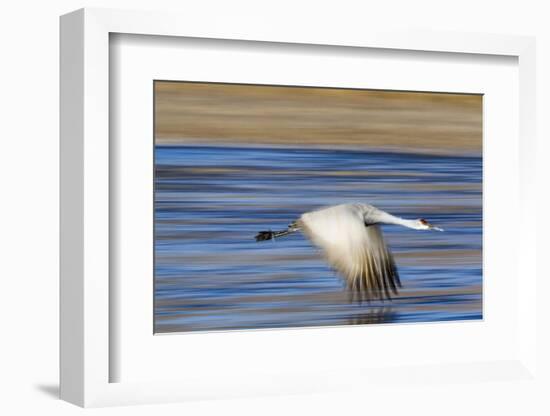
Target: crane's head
422, 224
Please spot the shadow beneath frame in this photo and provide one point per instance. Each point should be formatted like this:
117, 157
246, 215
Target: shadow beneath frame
51, 390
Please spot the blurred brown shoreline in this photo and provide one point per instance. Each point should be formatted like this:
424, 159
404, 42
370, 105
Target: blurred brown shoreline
235, 114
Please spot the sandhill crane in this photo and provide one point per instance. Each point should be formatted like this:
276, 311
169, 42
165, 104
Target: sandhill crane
351, 239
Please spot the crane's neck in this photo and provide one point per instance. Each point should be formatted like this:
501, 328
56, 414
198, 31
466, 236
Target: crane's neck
392, 219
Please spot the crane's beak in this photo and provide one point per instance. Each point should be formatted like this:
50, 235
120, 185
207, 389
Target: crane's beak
437, 228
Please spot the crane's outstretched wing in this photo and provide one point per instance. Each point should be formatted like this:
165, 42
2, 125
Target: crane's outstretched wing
358, 252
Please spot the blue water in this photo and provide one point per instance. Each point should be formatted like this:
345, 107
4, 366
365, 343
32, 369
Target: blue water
210, 273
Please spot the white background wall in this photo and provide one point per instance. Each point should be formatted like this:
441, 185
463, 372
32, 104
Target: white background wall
29, 182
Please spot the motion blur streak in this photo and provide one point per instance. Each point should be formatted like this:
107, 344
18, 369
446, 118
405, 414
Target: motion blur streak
214, 191
210, 202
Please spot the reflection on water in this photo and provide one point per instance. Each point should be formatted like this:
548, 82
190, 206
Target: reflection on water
372, 315
210, 201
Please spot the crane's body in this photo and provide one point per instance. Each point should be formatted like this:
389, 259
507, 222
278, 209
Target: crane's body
353, 244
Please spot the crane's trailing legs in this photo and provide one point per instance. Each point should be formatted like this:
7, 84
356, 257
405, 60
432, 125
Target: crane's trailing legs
271, 235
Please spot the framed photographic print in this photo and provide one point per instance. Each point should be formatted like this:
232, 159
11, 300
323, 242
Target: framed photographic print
242, 170
228, 198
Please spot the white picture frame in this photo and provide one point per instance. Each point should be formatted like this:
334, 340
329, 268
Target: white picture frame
86, 303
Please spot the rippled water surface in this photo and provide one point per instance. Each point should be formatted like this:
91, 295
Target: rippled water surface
210, 273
